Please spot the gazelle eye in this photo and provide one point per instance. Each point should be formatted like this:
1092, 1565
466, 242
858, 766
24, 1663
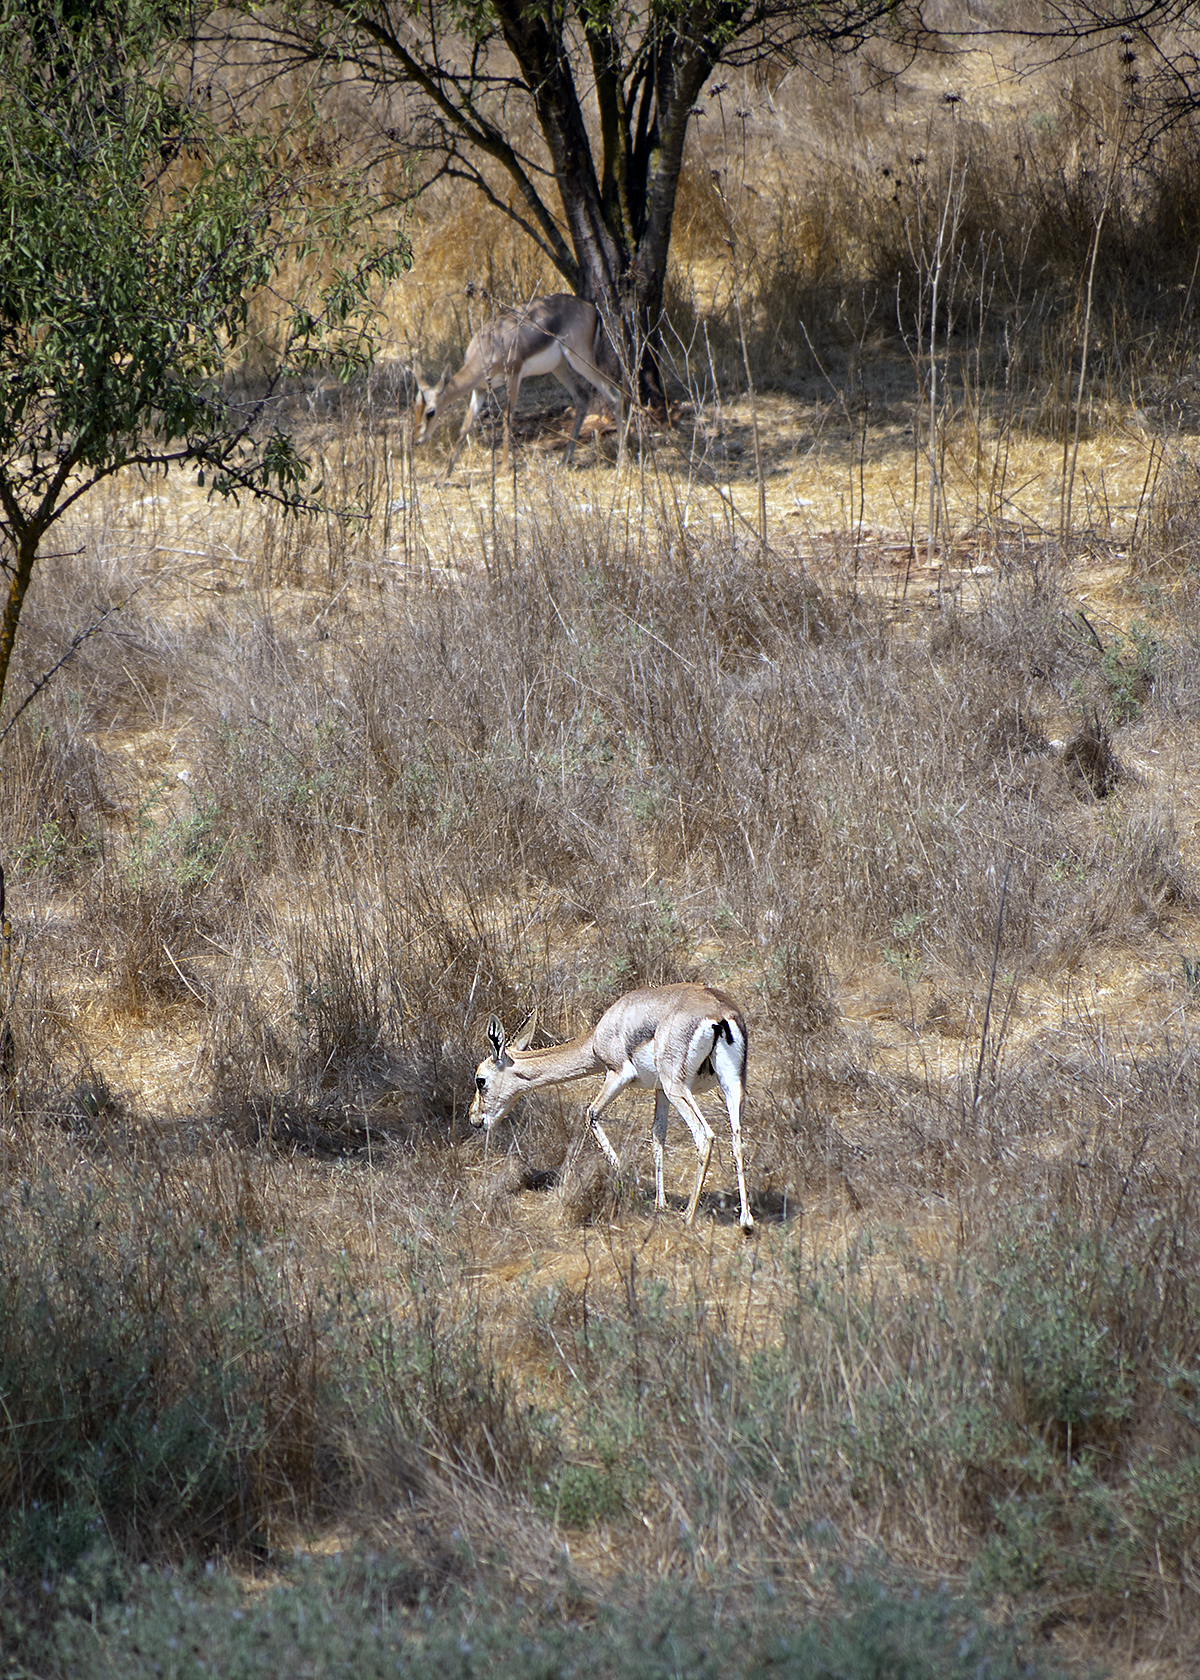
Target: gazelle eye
480, 1083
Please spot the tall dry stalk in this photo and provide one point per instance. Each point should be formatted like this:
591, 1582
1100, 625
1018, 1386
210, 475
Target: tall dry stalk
731, 242
8, 1067
935, 272
1071, 435
1071, 438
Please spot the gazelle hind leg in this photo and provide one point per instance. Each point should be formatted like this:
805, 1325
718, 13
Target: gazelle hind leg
580, 404
658, 1138
607, 389
729, 1077
701, 1175
683, 1101
745, 1217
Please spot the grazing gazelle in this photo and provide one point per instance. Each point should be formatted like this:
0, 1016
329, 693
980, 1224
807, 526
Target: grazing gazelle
559, 335
674, 1039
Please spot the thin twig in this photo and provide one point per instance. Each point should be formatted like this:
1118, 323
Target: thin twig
991, 988
77, 642
8, 1072
1069, 475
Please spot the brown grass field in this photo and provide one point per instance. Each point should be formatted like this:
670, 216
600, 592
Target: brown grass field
915, 774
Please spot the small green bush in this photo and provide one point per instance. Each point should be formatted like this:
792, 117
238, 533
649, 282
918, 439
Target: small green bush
1130, 665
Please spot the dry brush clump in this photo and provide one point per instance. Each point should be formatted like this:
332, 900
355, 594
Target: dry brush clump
167, 1381
1165, 553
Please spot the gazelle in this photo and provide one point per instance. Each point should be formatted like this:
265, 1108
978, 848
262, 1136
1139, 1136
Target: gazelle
561, 335
676, 1040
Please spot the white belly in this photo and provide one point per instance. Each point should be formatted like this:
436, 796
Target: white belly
643, 1061
544, 362
647, 1073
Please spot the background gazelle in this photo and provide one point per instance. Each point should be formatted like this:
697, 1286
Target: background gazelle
559, 335
674, 1039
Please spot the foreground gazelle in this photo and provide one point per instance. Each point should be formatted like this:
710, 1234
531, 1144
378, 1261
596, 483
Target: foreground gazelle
559, 335
674, 1039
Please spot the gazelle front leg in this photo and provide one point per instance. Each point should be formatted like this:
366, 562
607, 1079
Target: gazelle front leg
615, 1081
601, 1137
510, 408
468, 422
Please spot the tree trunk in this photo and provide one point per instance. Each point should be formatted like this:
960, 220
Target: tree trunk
619, 223
547, 73
27, 547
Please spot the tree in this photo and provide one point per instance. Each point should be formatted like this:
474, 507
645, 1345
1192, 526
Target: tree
134, 234
608, 87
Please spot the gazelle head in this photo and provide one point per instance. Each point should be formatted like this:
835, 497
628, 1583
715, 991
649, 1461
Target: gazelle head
498, 1079
425, 414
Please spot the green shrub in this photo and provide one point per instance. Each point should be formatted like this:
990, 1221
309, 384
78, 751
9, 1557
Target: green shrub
356, 1617
160, 1383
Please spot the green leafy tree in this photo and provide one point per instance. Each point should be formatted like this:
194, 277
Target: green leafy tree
135, 231
569, 116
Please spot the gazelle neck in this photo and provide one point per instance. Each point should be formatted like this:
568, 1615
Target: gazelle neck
574, 1060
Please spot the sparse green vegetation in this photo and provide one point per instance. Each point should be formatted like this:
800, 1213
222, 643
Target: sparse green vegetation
1130, 665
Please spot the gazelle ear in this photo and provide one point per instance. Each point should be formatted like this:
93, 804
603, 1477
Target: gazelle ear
495, 1035
442, 382
525, 1037
418, 375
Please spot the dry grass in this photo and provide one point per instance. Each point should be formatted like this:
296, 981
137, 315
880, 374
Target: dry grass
316, 798
542, 781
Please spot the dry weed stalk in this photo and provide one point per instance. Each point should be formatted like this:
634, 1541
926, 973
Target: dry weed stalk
1068, 470
8, 1071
